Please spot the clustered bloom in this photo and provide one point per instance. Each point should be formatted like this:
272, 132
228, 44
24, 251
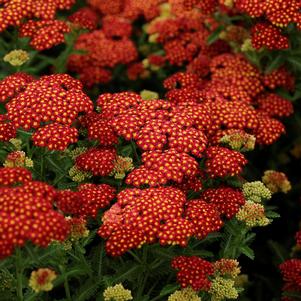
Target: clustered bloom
145, 216
104, 50
193, 271
14, 12
55, 136
44, 34
269, 36
17, 159
227, 267
98, 161
42, 279
87, 201
117, 293
53, 99
16, 57
186, 294
26, 212
238, 140
122, 165
291, 274
256, 191
223, 162
276, 181
222, 288
253, 215
85, 18
227, 200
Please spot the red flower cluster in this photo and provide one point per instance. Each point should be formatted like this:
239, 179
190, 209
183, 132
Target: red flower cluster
226, 199
55, 98
193, 271
278, 14
26, 212
146, 215
160, 167
14, 12
156, 214
204, 217
7, 129
99, 161
269, 36
85, 18
291, 273
230, 96
55, 136
206, 6
104, 52
86, 201
274, 105
182, 37
223, 162
130, 9
44, 34
13, 84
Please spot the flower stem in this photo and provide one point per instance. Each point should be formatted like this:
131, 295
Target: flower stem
66, 284
19, 275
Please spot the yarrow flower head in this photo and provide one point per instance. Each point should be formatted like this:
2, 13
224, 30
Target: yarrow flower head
223, 162
291, 273
185, 294
122, 165
17, 159
256, 192
87, 201
117, 293
276, 181
78, 230
44, 34
227, 267
193, 271
222, 288
27, 212
17, 57
78, 175
253, 215
239, 141
98, 161
227, 200
41, 280
146, 216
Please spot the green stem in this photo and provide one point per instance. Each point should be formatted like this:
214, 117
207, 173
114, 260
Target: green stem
66, 284
100, 260
134, 148
19, 274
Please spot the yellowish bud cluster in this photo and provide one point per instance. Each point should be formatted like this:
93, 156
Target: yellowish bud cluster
78, 175
241, 142
122, 166
227, 267
75, 152
18, 159
16, 57
117, 293
276, 181
253, 215
222, 288
41, 280
186, 294
247, 46
256, 191
148, 95
17, 143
